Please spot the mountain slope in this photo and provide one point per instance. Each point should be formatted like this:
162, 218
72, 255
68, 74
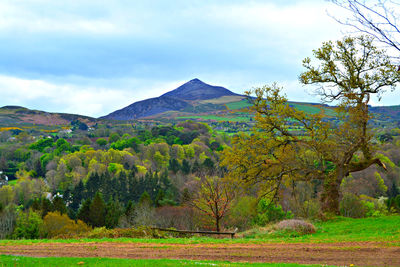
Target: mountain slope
147, 108
184, 98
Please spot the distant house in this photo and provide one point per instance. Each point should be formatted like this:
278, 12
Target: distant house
3, 179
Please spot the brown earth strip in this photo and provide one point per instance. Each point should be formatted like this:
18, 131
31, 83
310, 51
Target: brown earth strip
357, 253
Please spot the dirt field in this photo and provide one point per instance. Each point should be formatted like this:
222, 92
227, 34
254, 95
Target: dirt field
357, 253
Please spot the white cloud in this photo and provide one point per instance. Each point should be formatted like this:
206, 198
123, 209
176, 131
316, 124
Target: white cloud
74, 98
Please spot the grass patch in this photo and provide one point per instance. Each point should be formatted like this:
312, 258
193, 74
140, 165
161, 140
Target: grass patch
223, 100
239, 105
306, 108
382, 229
12, 182
216, 118
63, 261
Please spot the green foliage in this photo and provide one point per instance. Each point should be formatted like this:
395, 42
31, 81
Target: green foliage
84, 211
268, 212
59, 205
242, 213
114, 137
126, 143
351, 206
101, 142
97, 211
145, 198
41, 144
29, 225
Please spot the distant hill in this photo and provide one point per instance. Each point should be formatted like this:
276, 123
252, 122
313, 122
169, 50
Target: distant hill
16, 115
185, 98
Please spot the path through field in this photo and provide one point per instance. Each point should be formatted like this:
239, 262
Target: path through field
357, 253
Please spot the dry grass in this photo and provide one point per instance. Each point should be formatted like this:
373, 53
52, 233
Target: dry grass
300, 226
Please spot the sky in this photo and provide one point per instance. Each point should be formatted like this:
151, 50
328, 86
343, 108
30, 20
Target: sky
91, 57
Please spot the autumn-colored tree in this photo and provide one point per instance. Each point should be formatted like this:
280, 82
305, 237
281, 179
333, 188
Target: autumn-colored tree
213, 198
349, 73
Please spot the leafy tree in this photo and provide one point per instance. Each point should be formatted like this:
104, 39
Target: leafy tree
28, 226
350, 72
101, 142
41, 144
114, 137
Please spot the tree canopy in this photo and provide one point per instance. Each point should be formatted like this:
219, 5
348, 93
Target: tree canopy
349, 72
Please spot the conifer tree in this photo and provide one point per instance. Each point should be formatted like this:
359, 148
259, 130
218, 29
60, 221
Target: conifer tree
97, 211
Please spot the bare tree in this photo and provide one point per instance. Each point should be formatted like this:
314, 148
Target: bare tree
214, 198
378, 18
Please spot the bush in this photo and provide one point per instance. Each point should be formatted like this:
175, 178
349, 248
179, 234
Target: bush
29, 225
268, 212
299, 226
374, 207
243, 212
351, 206
60, 225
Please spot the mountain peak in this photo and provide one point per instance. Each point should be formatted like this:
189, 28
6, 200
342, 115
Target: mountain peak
195, 80
196, 89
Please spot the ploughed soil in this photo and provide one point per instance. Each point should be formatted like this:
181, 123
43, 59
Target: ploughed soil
344, 254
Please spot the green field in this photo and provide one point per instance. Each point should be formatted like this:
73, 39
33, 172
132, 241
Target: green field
62, 261
384, 229
239, 105
216, 118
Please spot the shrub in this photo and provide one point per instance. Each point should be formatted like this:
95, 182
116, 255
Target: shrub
374, 207
268, 212
351, 206
299, 226
60, 225
243, 212
29, 225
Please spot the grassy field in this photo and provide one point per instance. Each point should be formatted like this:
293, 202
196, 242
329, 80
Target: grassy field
216, 118
223, 99
239, 105
380, 229
63, 261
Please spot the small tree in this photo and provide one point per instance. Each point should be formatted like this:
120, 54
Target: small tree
213, 198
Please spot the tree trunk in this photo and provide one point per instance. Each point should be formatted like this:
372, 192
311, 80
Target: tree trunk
217, 223
331, 192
